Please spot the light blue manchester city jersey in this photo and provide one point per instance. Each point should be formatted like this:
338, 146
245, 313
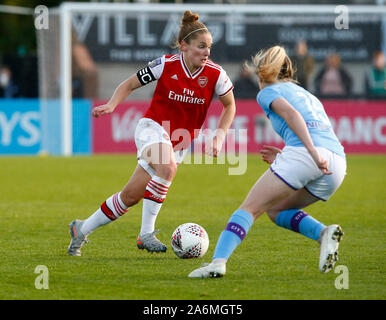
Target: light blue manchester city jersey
309, 107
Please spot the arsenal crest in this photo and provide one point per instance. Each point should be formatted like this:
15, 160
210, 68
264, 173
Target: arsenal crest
202, 81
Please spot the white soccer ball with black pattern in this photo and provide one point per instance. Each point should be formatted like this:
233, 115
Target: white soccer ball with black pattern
190, 240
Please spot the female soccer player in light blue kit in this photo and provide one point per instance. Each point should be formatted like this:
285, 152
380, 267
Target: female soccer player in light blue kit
311, 167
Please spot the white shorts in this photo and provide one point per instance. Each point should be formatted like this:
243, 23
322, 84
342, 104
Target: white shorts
297, 169
149, 132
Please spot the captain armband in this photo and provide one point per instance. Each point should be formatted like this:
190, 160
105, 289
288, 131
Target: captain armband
145, 76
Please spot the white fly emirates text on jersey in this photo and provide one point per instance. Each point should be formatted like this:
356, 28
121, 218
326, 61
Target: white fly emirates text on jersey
187, 96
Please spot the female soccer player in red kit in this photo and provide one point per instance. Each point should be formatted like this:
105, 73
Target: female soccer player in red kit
186, 83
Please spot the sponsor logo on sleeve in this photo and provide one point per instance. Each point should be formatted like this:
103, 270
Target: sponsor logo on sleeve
154, 63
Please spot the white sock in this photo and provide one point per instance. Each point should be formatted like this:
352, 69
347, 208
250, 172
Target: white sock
154, 197
109, 211
96, 220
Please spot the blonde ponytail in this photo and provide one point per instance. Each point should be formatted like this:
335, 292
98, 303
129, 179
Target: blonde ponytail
273, 65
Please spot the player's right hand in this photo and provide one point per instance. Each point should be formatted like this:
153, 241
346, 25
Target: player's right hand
320, 162
102, 110
268, 153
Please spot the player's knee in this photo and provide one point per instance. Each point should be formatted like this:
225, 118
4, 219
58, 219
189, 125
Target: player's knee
130, 199
167, 171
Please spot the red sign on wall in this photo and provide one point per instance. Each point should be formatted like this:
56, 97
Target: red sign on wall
115, 132
359, 125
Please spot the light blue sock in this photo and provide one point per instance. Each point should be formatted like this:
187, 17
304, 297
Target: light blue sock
299, 221
235, 231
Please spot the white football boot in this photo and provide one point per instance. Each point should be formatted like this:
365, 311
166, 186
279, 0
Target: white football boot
212, 270
329, 243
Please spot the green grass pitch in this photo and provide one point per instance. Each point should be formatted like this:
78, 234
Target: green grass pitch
41, 195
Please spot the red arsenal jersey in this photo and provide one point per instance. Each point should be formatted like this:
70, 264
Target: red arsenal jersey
181, 99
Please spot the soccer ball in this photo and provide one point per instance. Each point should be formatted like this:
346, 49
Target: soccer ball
190, 240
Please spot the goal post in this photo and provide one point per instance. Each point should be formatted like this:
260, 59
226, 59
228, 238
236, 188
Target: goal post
65, 72
248, 14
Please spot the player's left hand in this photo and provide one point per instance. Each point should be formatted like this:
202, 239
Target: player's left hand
213, 147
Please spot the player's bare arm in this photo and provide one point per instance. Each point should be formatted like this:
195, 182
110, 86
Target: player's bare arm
226, 118
297, 124
120, 94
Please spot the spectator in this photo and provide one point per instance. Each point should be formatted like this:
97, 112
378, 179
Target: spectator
244, 86
376, 77
85, 72
7, 88
333, 81
304, 64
